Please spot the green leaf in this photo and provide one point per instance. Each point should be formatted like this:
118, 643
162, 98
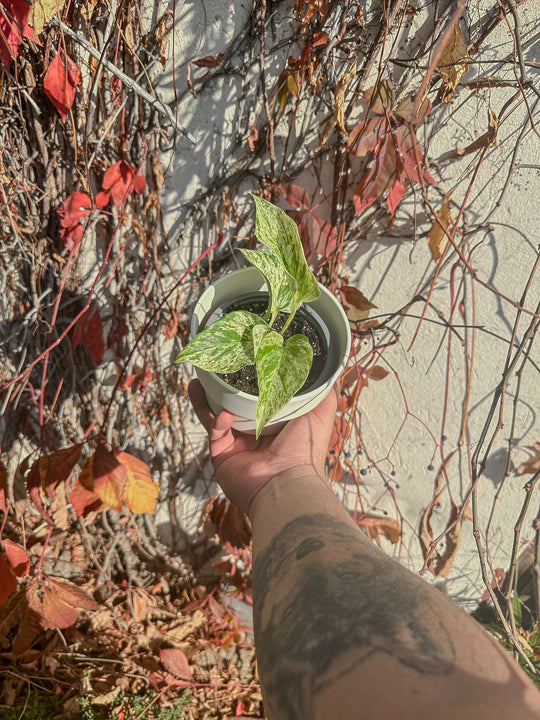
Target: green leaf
226, 345
281, 285
275, 229
281, 371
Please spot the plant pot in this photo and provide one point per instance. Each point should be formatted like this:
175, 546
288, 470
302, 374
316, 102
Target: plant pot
329, 315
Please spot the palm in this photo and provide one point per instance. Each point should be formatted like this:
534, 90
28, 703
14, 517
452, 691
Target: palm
243, 464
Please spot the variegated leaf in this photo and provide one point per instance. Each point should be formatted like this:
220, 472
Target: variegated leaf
281, 372
225, 346
281, 285
275, 229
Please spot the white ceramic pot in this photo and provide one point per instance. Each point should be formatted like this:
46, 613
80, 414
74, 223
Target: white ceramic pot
330, 317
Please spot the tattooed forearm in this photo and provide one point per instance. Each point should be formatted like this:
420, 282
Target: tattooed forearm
325, 601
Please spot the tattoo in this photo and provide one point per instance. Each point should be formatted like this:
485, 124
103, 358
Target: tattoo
335, 611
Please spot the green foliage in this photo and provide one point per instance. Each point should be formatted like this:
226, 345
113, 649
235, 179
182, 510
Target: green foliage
242, 338
38, 707
135, 706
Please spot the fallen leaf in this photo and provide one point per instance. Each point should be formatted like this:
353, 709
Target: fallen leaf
454, 62
58, 602
42, 11
531, 465
437, 237
13, 27
60, 82
176, 662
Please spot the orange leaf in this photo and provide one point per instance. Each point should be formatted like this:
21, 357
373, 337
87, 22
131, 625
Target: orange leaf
375, 526
59, 602
140, 491
176, 662
209, 61
84, 501
109, 478
60, 82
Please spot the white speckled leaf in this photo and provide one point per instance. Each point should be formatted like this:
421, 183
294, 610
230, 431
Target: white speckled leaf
275, 229
281, 371
226, 345
281, 285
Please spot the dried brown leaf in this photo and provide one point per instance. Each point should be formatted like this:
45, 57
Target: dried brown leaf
531, 465
454, 62
487, 140
437, 236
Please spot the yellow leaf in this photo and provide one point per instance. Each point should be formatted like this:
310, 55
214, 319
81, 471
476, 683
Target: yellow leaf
437, 235
42, 11
454, 62
140, 491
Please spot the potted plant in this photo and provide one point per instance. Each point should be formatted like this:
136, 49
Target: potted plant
268, 341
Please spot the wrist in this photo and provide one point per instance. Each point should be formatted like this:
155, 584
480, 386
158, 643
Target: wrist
292, 485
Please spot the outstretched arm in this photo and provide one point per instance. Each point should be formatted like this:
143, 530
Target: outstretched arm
343, 631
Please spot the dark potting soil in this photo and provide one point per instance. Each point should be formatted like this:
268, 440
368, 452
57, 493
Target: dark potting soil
245, 379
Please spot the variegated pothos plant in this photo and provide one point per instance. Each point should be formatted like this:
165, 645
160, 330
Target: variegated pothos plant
242, 338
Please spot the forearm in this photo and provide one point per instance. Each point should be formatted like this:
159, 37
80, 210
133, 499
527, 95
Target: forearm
343, 631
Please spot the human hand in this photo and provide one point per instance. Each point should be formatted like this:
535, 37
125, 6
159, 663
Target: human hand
244, 464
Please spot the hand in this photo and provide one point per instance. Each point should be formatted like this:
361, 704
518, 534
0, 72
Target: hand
243, 464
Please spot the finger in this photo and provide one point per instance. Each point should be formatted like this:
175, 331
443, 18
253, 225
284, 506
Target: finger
224, 421
202, 408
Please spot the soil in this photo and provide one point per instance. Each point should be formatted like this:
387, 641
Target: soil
245, 379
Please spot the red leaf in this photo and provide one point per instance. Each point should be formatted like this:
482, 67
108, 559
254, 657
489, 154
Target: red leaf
367, 136
412, 155
120, 180
4, 496
102, 199
17, 557
74, 208
8, 581
89, 329
13, 27
296, 196
71, 237
118, 329
84, 501
397, 191
60, 82
54, 469
176, 662
324, 237
381, 176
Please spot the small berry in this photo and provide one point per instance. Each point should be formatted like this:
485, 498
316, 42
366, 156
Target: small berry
347, 454
430, 467
332, 452
363, 471
392, 472
360, 452
443, 438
